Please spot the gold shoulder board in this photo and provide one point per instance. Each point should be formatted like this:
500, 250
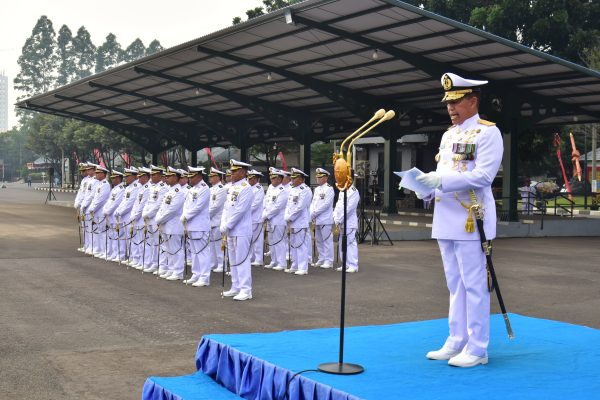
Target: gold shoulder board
486, 123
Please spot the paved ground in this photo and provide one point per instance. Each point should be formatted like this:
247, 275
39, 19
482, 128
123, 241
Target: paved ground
73, 327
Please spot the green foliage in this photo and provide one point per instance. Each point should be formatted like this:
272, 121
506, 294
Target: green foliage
66, 66
109, 54
38, 60
14, 153
134, 51
154, 47
321, 154
84, 53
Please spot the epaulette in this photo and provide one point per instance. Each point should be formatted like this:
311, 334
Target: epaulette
105, 181
146, 185
328, 185
162, 184
302, 187
135, 185
353, 188
486, 123
176, 189
280, 187
220, 186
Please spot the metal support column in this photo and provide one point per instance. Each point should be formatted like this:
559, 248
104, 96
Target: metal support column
510, 184
194, 158
305, 153
390, 181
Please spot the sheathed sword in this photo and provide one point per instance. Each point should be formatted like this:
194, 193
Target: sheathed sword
79, 228
224, 249
185, 256
487, 250
144, 248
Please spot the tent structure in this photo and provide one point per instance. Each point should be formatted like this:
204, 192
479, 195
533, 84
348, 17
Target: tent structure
316, 70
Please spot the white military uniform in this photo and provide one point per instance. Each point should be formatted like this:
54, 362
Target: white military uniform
171, 230
156, 195
101, 193
115, 198
298, 216
123, 215
88, 196
236, 222
197, 220
138, 242
78, 202
273, 214
469, 157
351, 226
218, 195
258, 236
321, 213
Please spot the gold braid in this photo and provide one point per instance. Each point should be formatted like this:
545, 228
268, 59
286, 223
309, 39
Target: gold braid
470, 224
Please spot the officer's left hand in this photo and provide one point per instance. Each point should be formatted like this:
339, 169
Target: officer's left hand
432, 180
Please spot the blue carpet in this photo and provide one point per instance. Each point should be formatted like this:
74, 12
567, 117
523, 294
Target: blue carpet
547, 360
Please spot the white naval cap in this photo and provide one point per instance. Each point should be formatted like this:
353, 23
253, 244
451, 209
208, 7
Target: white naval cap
215, 172
101, 169
83, 166
156, 169
296, 172
235, 164
284, 172
254, 172
275, 172
172, 171
321, 172
182, 173
144, 171
116, 174
130, 171
195, 170
91, 165
456, 87
228, 172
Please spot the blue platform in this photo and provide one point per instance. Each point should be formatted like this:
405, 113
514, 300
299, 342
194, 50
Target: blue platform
547, 360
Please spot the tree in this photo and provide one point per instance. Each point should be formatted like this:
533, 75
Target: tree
84, 53
134, 51
38, 60
154, 47
66, 65
109, 54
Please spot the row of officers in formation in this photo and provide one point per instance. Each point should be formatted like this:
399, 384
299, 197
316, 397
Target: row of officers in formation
160, 220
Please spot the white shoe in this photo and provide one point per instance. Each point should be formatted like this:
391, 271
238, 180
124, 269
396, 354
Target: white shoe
200, 284
270, 265
191, 281
174, 277
442, 354
243, 296
97, 255
326, 266
164, 274
465, 360
88, 251
301, 273
291, 270
339, 269
231, 293
218, 270
256, 264
278, 268
351, 270
150, 269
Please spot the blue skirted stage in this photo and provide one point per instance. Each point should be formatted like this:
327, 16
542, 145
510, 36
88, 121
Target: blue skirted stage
548, 359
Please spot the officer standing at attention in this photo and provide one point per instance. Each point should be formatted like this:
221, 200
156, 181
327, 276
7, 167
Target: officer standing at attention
99, 222
351, 226
79, 199
321, 214
123, 211
297, 216
88, 196
273, 215
218, 195
171, 228
236, 224
258, 236
196, 221
158, 189
116, 195
469, 157
137, 245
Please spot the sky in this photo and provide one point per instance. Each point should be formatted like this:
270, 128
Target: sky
171, 22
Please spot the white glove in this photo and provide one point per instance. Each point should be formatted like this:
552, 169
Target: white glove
420, 196
432, 180
223, 230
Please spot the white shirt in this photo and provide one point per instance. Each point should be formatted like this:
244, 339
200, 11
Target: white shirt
298, 205
237, 212
195, 208
321, 207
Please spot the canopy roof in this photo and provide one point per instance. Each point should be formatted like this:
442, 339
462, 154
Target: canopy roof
315, 70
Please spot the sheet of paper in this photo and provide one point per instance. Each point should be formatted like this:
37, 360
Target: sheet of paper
410, 182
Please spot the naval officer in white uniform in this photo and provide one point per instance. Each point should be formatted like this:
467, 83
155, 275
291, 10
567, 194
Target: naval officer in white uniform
321, 214
469, 156
297, 216
236, 224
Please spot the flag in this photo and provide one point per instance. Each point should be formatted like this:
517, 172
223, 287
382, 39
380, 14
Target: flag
283, 163
98, 157
207, 150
